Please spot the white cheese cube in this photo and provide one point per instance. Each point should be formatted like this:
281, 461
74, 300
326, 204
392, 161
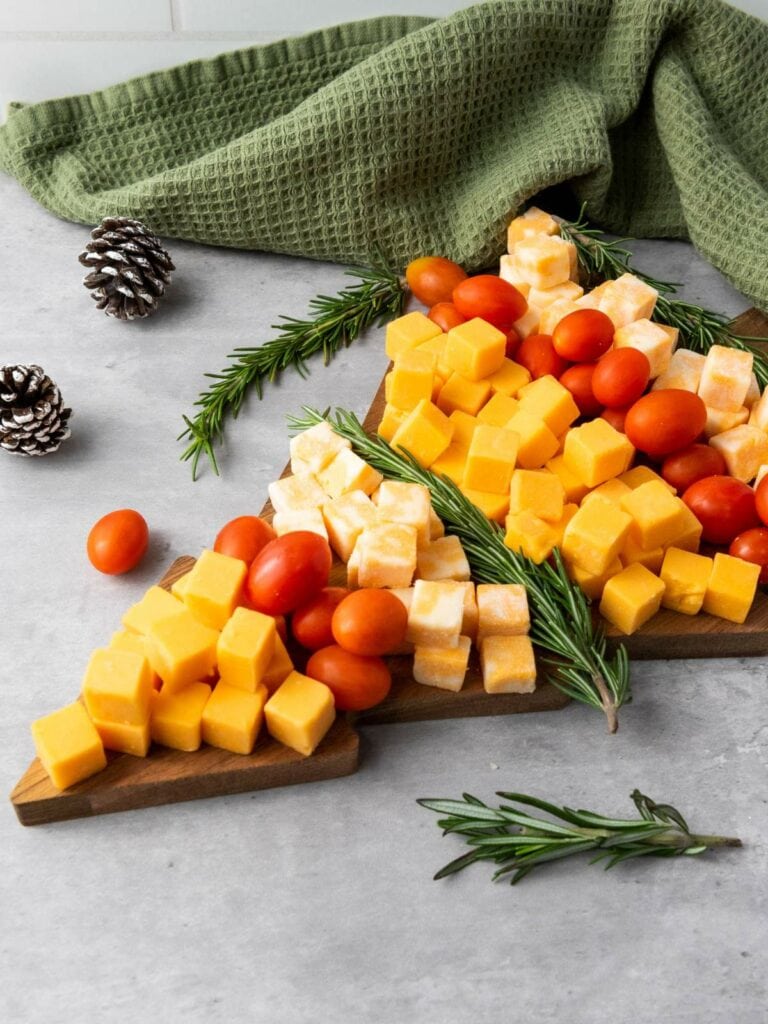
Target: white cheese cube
528, 322
753, 392
443, 667
313, 449
593, 298
544, 297
502, 610
345, 519
627, 299
405, 596
552, 315
310, 519
470, 616
657, 341
353, 567
543, 260
436, 528
744, 449
436, 614
683, 372
405, 503
725, 378
533, 222
508, 664
347, 472
296, 493
508, 273
719, 421
387, 555
758, 416
443, 559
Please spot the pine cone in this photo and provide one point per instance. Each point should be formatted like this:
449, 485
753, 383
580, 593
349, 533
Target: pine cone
129, 268
33, 420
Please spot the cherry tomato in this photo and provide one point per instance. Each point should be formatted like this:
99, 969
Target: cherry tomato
282, 628
243, 538
118, 541
665, 421
761, 499
356, 682
725, 507
683, 468
490, 298
288, 572
752, 546
370, 622
513, 343
311, 623
616, 417
621, 376
578, 380
433, 278
583, 336
446, 316
537, 354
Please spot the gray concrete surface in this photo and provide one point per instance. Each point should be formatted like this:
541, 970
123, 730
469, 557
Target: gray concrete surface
316, 903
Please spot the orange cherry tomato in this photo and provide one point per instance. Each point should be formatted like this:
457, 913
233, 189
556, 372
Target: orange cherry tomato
752, 546
433, 278
356, 682
537, 354
513, 343
311, 623
370, 622
118, 541
583, 336
725, 507
620, 377
616, 417
578, 380
665, 421
487, 296
761, 499
243, 538
683, 468
288, 572
446, 316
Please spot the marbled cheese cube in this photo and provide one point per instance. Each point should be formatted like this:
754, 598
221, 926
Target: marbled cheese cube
744, 449
509, 378
552, 315
300, 713
391, 420
627, 299
175, 719
68, 745
574, 489
528, 323
655, 341
387, 555
475, 349
348, 472
443, 667
548, 399
593, 298
530, 535
345, 519
657, 516
491, 459
411, 379
508, 272
309, 519
642, 475
542, 298
761, 473
470, 613
685, 576
502, 609
405, 503
533, 222
425, 434
232, 717
313, 449
612, 490
631, 598
451, 463
592, 583
683, 372
436, 614
508, 664
436, 526
595, 452
595, 535
408, 331
537, 491
725, 378
353, 567
495, 506
214, 588
731, 588
537, 443
543, 260
442, 559
405, 596
498, 410
718, 420
753, 391
298, 491
758, 416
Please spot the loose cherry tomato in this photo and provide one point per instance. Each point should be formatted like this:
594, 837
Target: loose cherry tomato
446, 316
311, 623
761, 499
118, 541
616, 417
683, 468
578, 380
537, 354
490, 298
513, 343
370, 622
621, 376
356, 682
288, 572
665, 421
752, 546
433, 278
725, 507
583, 336
243, 537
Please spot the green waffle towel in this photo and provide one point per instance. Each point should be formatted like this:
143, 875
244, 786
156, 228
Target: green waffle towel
413, 135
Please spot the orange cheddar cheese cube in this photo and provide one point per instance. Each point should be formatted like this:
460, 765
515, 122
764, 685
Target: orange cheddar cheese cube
725, 378
442, 559
731, 588
658, 517
537, 442
124, 737
296, 491
574, 489
387, 555
595, 535
682, 373
279, 668
436, 347
502, 609
157, 604
411, 378
685, 576
68, 745
348, 472
214, 588
176, 718
313, 449
642, 475
612, 490
533, 222
436, 614
537, 491
391, 420
182, 651
345, 519
491, 459
232, 717
178, 589
718, 420
463, 428
744, 449
633, 552
300, 713
460, 393
498, 410
569, 511
691, 530
655, 341
426, 433
508, 664
543, 260
405, 503
118, 686
124, 640
595, 452
548, 399
495, 506
592, 584
631, 598
408, 332
443, 667
530, 535
451, 463
245, 648
308, 519
475, 349
509, 378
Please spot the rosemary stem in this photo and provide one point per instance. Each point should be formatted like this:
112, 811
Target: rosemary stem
609, 705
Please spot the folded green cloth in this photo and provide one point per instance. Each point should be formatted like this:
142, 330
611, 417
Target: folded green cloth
412, 136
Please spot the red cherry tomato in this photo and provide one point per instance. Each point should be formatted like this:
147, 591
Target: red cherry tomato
433, 278
752, 546
243, 538
370, 622
513, 343
761, 499
281, 627
578, 380
616, 417
683, 468
490, 298
665, 421
583, 336
311, 623
288, 572
725, 507
446, 316
621, 376
537, 354
356, 682
118, 541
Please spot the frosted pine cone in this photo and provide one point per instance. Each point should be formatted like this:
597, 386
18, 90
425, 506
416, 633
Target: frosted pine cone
33, 419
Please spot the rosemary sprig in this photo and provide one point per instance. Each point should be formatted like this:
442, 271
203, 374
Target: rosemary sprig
335, 322
699, 328
561, 621
519, 842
